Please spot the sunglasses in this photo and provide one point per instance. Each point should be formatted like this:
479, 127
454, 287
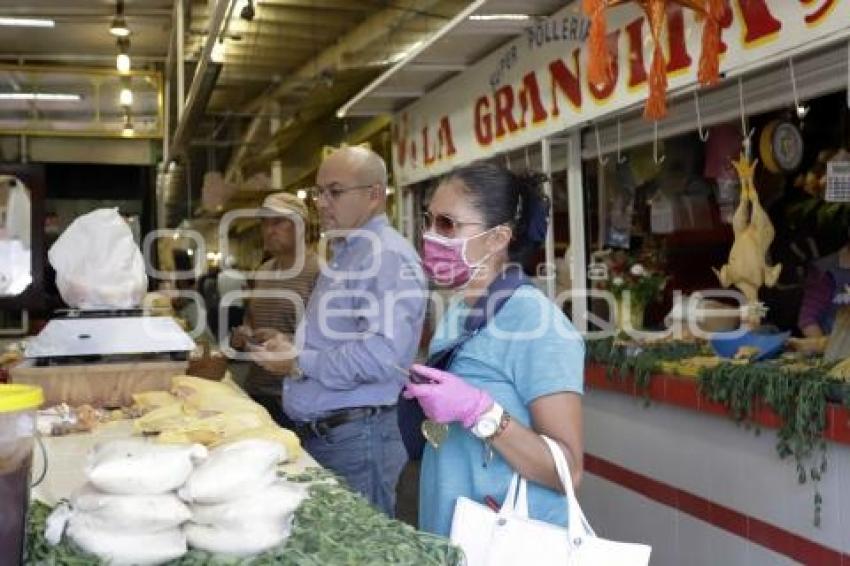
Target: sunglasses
444, 224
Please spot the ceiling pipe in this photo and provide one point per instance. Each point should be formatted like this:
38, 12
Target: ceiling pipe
187, 109
179, 15
453, 23
368, 32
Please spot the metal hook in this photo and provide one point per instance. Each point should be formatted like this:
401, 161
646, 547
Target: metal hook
802, 111
703, 135
746, 133
527, 159
658, 161
602, 160
620, 157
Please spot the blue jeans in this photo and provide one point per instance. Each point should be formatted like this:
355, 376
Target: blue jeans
368, 453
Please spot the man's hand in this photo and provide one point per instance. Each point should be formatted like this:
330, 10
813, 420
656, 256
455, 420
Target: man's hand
276, 354
241, 336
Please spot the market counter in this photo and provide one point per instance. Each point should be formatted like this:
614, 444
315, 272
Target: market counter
333, 526
669, 467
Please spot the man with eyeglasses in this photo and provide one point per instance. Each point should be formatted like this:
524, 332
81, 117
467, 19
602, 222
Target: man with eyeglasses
363, 321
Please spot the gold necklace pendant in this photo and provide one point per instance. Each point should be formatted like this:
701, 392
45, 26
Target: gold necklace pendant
434, 432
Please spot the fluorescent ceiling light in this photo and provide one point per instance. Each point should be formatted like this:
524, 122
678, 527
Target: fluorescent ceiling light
42, 96
27, 22
499, 17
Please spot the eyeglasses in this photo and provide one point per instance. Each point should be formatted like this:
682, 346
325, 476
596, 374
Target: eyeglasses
333, 193
444, 224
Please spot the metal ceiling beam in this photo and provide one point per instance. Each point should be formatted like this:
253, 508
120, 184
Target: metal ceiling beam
390, 93
347, 5
181, 133
417, 67
79, 58
288, 17
271, 33
60, 10
459, 19
371, 30
282, 49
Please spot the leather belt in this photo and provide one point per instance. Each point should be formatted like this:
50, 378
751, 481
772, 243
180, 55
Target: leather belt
321, 427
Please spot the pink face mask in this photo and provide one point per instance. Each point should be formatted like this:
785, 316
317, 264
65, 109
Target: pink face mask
444, 259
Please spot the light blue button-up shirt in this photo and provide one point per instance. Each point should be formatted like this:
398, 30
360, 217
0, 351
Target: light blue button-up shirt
365, 316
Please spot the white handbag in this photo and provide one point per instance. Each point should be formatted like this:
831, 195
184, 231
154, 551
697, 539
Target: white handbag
509, 538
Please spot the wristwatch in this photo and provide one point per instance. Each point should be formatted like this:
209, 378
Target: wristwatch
489, 423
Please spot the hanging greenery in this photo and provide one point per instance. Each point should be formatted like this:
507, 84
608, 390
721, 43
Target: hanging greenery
799, 399
797, 394
640, 362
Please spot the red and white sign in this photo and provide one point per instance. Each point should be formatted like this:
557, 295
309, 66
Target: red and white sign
536, 85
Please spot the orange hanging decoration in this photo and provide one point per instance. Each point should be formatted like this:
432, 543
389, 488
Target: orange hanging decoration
709, 61
599, 71
656, 104
599, 59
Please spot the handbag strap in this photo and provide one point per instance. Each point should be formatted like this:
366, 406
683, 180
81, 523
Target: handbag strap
482, 312
579, 527
516, 500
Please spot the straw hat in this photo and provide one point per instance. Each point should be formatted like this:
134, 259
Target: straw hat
286, 204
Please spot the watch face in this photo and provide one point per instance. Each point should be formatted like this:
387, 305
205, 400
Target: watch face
486, 428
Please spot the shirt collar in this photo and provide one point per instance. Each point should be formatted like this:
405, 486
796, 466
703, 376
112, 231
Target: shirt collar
374, 225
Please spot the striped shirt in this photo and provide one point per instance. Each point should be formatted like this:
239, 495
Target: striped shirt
279, 313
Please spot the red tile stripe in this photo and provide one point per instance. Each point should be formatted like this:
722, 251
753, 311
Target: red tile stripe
755, 530
684, 392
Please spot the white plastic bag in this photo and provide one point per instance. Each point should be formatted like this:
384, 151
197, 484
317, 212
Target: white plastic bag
274, 504
97, 263
138, 467
248, 539
232, 471
134, 513
116, 547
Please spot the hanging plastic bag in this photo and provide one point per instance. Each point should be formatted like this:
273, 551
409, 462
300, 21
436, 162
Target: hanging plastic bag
97, 263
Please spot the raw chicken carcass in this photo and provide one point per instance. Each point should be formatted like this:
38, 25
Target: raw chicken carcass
747, 268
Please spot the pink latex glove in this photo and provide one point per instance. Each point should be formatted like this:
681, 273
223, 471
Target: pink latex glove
448, 398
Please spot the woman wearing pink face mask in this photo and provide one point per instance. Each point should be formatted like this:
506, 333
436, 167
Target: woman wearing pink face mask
519, 376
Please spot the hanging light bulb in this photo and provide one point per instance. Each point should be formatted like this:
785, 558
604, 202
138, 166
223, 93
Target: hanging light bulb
218, 51
125, 97
122, 61
119, 28
128, 126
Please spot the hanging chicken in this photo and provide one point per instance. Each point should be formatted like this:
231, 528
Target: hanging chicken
599, 70
747, 268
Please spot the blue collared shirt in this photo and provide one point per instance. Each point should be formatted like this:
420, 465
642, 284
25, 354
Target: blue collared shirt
364, 317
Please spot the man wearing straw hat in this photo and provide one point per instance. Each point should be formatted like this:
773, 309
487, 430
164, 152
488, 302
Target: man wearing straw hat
281, 289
